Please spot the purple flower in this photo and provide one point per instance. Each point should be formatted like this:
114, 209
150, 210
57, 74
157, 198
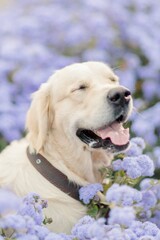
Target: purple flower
30, 224
16, 222
144, 214
33, 206
130, 234
80, 228
97, 230
123, 195
138, 166
144, 229
41, 232
136, 147
133, 150
116, 233
87, 193
158, 236
155, 219
146, 237
146, 165
153, 185
117, 165
137, 228
147, 183
123, 216
131, 167
149, 199
150, 228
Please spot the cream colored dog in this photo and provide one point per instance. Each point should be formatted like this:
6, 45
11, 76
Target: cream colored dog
75, 122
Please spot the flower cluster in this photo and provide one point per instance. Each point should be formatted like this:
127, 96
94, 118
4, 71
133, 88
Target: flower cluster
88, 228
138, 166
117, 209
37, 37
135, 164
130, 213
22, 218
88, 192
123, 195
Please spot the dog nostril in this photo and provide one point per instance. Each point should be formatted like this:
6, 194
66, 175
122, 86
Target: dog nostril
119, 95
127, 94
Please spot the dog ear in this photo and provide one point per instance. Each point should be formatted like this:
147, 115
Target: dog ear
39, 117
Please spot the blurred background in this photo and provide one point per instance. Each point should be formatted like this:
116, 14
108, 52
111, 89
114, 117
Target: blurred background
39, 36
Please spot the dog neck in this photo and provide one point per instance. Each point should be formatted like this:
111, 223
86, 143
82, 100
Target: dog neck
75, 162
53, 175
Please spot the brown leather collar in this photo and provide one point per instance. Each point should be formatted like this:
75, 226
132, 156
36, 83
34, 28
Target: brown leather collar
53, 175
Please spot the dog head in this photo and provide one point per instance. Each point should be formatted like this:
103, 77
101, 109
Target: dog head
85, 105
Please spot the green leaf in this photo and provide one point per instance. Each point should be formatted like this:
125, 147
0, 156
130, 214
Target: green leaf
119, 156
106, 172
93, 210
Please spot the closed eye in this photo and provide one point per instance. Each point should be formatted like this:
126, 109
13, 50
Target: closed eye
80, 87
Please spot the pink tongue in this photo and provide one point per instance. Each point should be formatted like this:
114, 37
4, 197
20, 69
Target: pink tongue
116, 132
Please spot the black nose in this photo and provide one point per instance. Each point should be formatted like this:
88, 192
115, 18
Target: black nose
119, 95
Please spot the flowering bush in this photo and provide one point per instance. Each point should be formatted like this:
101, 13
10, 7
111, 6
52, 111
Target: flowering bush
123, 207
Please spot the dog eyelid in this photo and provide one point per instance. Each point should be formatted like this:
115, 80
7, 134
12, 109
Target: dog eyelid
81, 87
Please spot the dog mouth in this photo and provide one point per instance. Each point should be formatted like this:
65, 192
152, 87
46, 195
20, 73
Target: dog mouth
113, 137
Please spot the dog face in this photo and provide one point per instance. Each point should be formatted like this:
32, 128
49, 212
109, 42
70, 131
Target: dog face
83, 104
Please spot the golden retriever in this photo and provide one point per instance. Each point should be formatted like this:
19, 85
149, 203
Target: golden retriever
75, 122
